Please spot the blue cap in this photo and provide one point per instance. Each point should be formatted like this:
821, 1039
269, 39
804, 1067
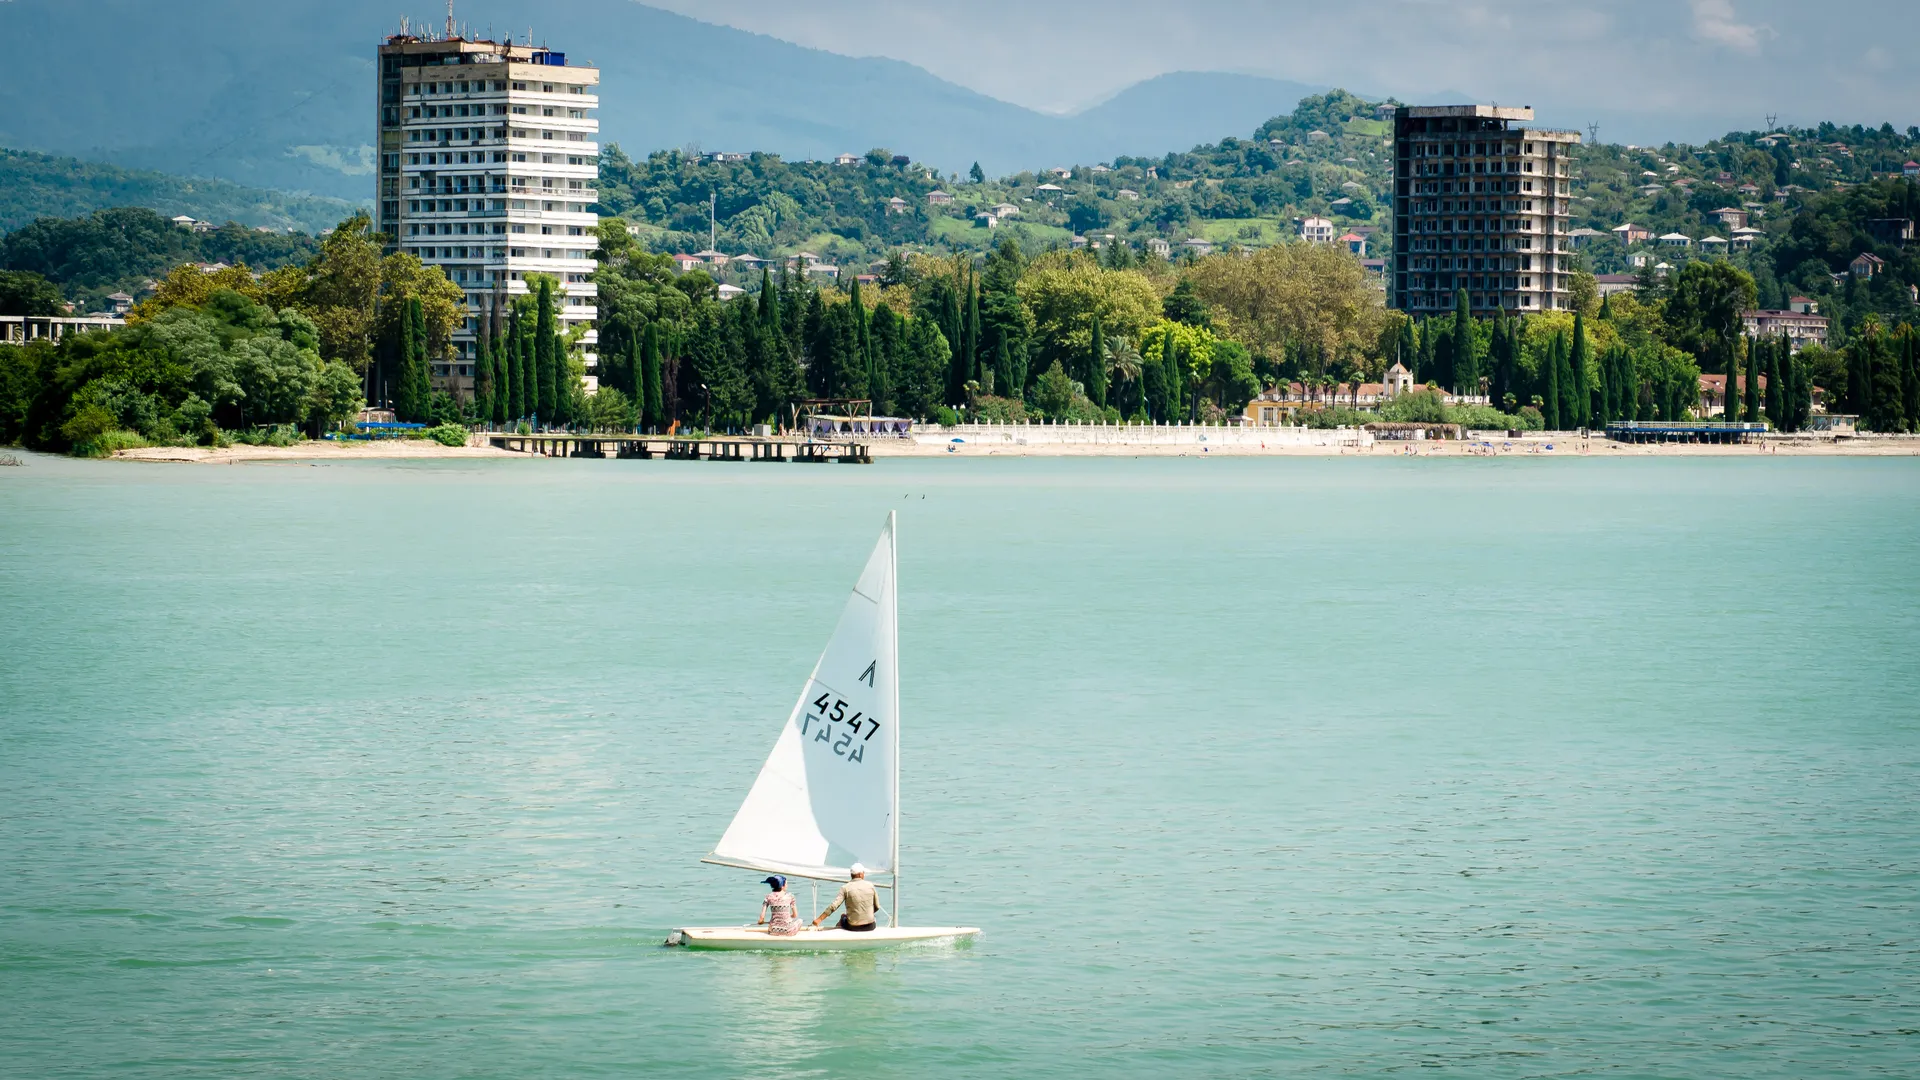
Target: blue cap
777, 881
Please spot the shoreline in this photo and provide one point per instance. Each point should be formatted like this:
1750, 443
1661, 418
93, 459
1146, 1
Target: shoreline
1558, 446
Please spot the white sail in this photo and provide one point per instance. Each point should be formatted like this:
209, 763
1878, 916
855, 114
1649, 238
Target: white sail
825, 798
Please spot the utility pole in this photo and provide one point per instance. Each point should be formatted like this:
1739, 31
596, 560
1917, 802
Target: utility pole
1593, 134
1773, 121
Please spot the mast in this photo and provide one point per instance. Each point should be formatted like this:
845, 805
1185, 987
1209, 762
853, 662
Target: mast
893, 557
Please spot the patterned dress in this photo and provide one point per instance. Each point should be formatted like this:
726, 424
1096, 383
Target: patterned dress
782, 913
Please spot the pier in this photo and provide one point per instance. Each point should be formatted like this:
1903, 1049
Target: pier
1644, 431
685, 448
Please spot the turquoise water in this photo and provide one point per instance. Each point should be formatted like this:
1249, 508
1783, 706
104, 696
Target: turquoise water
1501, 768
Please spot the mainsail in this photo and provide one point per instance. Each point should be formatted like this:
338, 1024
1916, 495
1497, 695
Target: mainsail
825, 799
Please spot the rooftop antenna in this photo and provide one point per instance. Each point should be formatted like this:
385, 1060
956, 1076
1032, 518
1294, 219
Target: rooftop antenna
449, 19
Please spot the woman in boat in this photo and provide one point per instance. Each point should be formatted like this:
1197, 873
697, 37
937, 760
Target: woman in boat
780, 912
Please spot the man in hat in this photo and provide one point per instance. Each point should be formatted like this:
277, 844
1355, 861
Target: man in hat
860, 900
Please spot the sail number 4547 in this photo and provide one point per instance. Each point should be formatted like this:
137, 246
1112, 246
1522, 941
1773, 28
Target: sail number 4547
849, 743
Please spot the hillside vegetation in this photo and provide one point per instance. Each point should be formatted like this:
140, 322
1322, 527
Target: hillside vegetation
41, 185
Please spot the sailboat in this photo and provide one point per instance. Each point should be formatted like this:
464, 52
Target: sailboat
829, 795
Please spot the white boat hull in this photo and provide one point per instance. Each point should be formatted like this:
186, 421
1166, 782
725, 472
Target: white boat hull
831, 940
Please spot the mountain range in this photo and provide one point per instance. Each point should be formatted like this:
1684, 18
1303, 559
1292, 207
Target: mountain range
280, 95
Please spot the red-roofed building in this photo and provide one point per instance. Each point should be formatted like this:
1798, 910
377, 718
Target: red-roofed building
1800, 327
1355, 243
1911, 168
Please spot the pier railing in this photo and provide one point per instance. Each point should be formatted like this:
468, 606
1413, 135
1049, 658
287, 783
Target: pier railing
685, 447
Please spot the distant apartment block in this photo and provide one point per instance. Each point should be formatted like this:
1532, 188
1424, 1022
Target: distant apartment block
1800, 326
489, 156
1480, 204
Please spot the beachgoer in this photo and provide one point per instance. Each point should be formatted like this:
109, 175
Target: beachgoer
860, 899
779, 912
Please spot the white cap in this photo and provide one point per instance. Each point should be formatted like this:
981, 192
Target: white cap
856, 870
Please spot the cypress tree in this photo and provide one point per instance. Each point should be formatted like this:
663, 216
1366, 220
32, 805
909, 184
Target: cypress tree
972, 333
403, 408
544, 383
1776, 408
529, 374
1003, 373
1407, 352
1465, 376
1910, 377
502, 387
1753, 382
1097, 366
1601, 405
483, 378
516, 382
1551, 397
656, 410
1573, 387
422, 371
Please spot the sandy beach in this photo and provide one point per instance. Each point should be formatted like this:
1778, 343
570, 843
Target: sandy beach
933, 446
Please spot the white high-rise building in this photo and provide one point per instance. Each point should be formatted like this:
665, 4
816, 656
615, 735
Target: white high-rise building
489, 157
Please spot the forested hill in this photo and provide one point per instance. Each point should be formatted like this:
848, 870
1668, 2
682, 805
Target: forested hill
40, 185
127, 248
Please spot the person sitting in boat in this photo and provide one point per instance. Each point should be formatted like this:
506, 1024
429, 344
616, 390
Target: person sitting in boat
860, 899
780, 912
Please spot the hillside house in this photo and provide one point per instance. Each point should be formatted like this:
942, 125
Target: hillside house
1048, 190
1063, 174
1004, 210
1801, 328
1318, 136
939, 198
1631, 234
896, 205
1159, 246
1128, 194
1743, 239
684, 262
1713, 392
1801, 305
1892, 230
1355, 243
985, 220
1609, 284
1911, 170
118, 303
1317, 230
729, 292
749, 262
1677, 240
1582, 237
1198, 246
1732, 217
1713, 245
846, 159
1865, 265
712, 257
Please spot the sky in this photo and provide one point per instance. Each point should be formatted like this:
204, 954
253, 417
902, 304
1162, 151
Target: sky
1709, 65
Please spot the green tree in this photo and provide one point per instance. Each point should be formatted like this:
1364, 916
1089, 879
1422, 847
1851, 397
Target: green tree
420, 367
516, 373
1551, 398
1753, 381
1183, 305
483, 377
1465, 361
976, 174
23, 292
1096, 370
1776, 395
546, 377
1574, 397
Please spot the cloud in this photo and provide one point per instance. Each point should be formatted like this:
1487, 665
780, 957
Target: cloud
1715, 21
